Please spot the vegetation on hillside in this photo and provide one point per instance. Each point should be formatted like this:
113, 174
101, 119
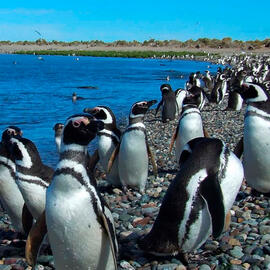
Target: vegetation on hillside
226, 42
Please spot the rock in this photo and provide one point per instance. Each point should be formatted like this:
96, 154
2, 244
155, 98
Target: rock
264, 229
170, 266
236, 252
205, 267
5, 267
126, 265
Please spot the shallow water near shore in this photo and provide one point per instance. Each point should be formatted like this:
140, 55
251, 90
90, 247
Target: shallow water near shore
36, 92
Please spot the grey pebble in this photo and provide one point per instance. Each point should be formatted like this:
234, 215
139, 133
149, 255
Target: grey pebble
236, 252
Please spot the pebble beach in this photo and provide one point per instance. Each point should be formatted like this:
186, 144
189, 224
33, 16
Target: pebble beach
245, 245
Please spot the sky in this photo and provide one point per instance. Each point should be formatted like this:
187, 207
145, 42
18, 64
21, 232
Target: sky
139, 20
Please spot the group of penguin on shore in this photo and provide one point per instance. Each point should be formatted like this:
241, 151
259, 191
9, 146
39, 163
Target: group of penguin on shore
66, 206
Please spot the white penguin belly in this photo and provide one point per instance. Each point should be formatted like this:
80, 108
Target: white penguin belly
190, 127
231, 181
77, 239
133, 160
256, 153
34, 196
105, 149
11, 198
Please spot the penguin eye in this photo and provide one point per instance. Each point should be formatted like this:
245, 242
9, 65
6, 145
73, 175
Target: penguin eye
76, 124
11, 132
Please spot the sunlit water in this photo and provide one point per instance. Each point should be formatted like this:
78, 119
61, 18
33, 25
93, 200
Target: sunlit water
36, 92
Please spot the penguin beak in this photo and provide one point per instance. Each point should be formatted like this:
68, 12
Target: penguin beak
151, 103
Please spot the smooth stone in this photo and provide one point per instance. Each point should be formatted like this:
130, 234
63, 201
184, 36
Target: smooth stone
236, 252
5, 267
265, 239
264, 229
205, 267
170, 266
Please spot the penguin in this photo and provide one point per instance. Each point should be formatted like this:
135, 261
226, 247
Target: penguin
208, 84
219, 90
197, 201
79, 223
199, 96
190, 126
180, 95
10, 195
32, 176
168, 103
256, 144
108, 140
58, 127
75, 97
134, 150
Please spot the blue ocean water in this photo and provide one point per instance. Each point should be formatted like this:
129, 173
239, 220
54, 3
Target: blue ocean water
35, 92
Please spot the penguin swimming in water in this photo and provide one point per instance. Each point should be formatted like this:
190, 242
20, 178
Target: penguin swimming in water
189, 126
108, 140
168, 103
197, 200
80, 225
10, 195
256, 143
134, 150
58, 127
32, 176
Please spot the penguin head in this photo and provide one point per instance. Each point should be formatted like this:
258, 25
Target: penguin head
24, 151
58, 127
11, 131
165, 89
252, 92
102, 113
80, 129
139, 109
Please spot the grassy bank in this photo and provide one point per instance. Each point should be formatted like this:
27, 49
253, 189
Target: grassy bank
126, 54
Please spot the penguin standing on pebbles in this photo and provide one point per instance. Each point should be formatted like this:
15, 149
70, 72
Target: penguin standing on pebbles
32, 176
168, 103
256, 143
134, 149
189, 126
80, 225
10, 195
108, 140
197, 200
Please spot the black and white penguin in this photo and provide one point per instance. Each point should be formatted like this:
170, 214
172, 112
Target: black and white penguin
180, 95
198, 199
208, 83
32, 176
10, 195
58, 127
219, 90
199, 96
79, 223
256, 160
168, 103
190, 126
108, 140
134, 149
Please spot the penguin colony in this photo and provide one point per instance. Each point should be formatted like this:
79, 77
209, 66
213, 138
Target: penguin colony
67, 204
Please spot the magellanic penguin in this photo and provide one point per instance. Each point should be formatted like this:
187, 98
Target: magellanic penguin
190, 126
198, 199
134, 149
80, 225
168, 103
32, 176
219, 90
256, 160
10, 195
58, 127
198, 95
180, 95
108, 140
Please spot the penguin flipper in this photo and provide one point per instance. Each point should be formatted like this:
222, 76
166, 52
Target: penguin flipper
205, 133
27, 219
174, 136
34, 239
152, 159
158, 106
93, 160
239, 148
211, 191
113, 157
105, 225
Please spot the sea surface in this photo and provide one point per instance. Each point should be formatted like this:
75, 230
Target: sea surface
36, 92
